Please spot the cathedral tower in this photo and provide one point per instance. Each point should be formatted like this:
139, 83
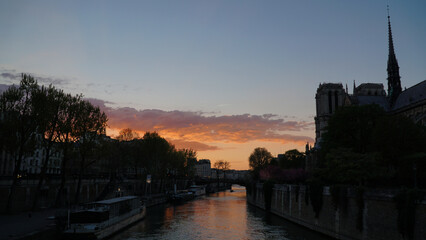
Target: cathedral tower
329, 97
394, 80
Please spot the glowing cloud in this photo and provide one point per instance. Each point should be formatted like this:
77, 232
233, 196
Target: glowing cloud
185, 128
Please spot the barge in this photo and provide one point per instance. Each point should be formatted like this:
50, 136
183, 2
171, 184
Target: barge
197, 190
98, 220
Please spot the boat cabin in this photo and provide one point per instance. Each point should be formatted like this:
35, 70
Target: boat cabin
100, 211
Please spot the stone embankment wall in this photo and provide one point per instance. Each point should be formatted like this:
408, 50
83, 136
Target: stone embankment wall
379, 215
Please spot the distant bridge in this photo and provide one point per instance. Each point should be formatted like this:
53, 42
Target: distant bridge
209, 181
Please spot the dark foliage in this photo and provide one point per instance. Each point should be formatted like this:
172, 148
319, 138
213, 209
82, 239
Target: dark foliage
339, 197
406, 202
307, 195
351, 127
359, 198
297, 192
283, 175
267, 193
366, 146
316, 196
343, 166
335, 195
292, 159
259, 159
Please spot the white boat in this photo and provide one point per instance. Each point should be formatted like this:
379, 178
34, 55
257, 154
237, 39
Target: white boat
197, 190
182, 196
98, 220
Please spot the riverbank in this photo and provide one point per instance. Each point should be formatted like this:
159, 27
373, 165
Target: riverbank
373, 216
41, 224
28, 225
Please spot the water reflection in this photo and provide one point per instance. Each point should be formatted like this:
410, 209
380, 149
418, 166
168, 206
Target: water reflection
224, 215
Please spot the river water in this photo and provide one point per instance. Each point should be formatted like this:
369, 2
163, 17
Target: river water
223, 215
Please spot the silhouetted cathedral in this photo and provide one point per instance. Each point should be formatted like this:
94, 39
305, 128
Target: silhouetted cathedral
410, 102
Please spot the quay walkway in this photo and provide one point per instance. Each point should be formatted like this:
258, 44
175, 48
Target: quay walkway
25, 225
40, 224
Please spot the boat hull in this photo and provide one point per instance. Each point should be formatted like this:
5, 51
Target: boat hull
120, 225
106, 229
197, 190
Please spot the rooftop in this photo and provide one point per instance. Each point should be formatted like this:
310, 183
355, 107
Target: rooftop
412, 95
382, 101
115, 200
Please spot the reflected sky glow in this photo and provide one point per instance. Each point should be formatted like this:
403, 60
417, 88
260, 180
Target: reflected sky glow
223, 215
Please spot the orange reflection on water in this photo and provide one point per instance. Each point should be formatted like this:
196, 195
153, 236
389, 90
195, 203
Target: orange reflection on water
217, 216
223, 215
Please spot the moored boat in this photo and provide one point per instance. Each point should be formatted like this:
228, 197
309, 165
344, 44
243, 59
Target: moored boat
197, 190
182, 197
98, 220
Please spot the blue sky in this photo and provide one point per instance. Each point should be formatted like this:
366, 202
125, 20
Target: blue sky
212, 58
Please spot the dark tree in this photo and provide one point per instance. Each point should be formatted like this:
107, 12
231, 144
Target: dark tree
352, 127
223, 166
403, 147
259, 159
292, 159
127, 134
65, 133
156, 154
50, 105
344, 166
18, 126
90, 125
393, 145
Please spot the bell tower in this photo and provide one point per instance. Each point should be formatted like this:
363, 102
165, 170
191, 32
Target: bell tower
329, 97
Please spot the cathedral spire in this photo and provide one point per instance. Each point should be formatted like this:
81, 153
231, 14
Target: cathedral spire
353, 91
394, 79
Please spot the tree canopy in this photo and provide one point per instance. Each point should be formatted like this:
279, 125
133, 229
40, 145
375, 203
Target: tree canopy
259, 159
222, 165
127, 134
17, 128
364, 144
34, 117
43, 117
292, 159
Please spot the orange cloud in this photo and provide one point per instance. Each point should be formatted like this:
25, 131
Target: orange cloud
179, 144
185, 128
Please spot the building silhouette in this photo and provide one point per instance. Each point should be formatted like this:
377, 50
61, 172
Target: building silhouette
410, 102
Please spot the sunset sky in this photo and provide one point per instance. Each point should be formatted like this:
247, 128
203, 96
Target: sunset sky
221, 77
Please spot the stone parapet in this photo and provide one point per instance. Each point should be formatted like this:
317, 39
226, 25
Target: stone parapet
379, 215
